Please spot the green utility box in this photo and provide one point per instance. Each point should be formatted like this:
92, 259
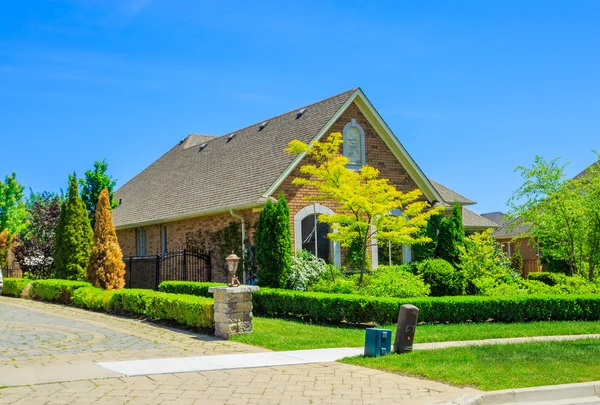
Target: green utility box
378, 342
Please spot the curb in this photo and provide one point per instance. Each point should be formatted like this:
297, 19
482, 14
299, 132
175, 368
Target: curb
534, 394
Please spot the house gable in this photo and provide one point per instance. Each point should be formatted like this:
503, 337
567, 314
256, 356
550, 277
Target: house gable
378, 154
358, 101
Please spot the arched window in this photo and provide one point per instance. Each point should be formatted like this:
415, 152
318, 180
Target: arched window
310, 234
354, 144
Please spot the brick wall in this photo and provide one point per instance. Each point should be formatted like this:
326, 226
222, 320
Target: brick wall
177, 231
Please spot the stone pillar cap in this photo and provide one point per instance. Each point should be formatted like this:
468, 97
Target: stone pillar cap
234, 290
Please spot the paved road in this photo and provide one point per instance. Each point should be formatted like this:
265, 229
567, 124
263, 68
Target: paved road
37, 337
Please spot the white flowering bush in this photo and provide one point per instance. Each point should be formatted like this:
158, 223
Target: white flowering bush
307, 269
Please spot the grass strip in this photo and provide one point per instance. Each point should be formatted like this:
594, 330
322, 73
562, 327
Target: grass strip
497, 367
283, 334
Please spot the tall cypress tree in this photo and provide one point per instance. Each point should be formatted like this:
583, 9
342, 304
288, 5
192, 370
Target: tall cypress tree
73, 240
106, 268
451, 236
274, 244
424, 251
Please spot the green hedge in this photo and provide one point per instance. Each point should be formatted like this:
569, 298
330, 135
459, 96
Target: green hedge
188, 310
14, 286
55, 290
186, 287
359, 309
336, 308
185, 309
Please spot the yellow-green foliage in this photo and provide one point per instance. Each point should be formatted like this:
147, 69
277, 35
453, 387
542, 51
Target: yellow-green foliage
365, 199
106, 268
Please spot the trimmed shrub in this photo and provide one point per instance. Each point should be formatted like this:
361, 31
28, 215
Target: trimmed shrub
341, 285
338, 308
442, 277
394, 281
187, 287
55, 290
547, 278
14, 286
188, 310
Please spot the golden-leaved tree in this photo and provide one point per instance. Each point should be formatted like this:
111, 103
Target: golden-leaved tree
366, 202
106, 268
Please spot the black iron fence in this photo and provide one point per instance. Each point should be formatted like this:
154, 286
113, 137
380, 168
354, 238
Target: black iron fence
180, 264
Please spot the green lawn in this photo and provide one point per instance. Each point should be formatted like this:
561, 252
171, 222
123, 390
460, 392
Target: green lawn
281, 335
497, 367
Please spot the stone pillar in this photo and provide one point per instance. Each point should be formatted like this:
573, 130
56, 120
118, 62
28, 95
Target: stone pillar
233, 310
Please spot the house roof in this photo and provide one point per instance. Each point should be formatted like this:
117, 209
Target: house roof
451, 196
509, 229
185, 181
496, 217
472, 220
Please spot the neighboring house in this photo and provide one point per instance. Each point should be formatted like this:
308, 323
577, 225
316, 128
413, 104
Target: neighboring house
508, 236
204, 181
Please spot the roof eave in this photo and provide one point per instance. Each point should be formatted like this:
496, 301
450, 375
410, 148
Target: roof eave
259, 203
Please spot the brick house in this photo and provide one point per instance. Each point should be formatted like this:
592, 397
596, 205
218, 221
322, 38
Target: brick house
205, 182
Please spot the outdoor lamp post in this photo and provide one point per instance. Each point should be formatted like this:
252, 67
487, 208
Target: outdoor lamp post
232, 265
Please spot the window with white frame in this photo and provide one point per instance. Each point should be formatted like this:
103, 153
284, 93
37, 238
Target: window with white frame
140, 239
354, 144
389, 253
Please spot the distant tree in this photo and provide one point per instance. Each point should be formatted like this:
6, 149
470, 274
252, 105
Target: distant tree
106, 268
365, 200
13, 215
563, 214
73, 239
92, 185
34, 249
427, 250
451, 237
274, 245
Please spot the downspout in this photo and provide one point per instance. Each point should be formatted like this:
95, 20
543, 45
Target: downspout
241, 218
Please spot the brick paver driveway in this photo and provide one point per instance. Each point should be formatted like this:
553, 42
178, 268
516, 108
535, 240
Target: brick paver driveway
34, 335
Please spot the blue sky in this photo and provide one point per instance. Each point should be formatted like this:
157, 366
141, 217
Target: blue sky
471, 88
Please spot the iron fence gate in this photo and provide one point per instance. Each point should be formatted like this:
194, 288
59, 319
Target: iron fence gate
178, 265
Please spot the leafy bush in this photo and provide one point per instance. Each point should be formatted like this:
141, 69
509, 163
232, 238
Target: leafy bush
306, 270
442, 277
337, 308
55, 290
482, 257
341, 285
516, 261
188, 310
14, 286
546, 277
395, 281
186, 287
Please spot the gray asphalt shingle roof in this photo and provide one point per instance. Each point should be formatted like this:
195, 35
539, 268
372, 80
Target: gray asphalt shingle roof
474, 221
186, 181
450, 196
